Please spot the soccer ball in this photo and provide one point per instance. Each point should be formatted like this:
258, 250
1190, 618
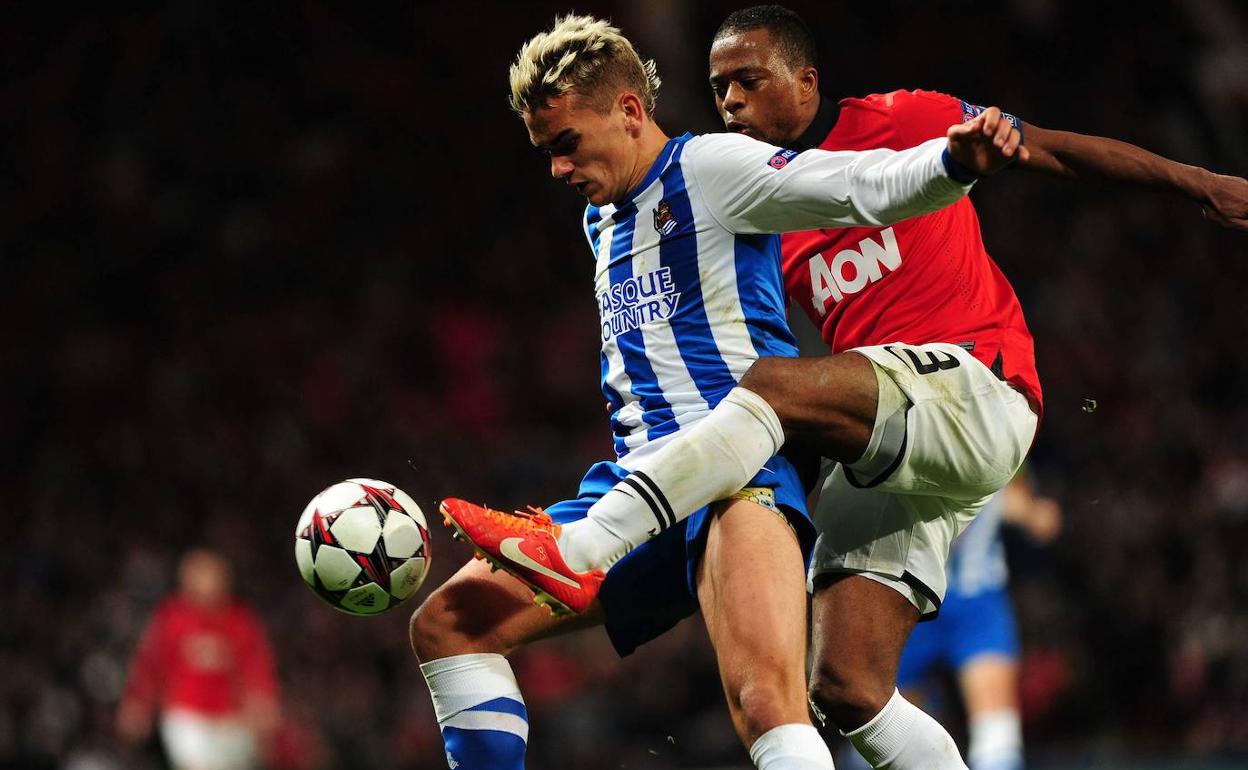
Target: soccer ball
363, 546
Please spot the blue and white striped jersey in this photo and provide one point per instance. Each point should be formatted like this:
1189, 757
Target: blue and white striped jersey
977, 558
688, 277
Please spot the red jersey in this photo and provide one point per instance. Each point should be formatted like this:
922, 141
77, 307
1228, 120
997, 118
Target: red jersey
204, 660
927, 279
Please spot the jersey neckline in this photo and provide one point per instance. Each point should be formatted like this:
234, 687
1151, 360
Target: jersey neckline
656, 169
819, 128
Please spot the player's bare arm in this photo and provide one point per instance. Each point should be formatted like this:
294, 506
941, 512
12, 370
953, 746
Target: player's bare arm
1223, 198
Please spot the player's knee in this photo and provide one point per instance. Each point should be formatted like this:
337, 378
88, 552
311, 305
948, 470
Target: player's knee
424, 631
436, 632
766, 377
849, 698
763, 704
829, 401
456, 619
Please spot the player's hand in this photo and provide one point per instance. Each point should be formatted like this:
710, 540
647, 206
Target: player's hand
986, 144
1226, 201
1044, 521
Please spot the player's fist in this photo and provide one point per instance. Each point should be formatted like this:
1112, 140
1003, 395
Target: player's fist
986, 144
1226, 200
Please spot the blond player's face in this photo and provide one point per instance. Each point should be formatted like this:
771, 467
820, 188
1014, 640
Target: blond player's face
589, 149
757, 92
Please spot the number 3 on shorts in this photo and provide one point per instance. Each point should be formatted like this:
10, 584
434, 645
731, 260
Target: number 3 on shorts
935, 363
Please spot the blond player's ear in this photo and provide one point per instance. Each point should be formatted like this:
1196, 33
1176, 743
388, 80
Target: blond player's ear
634, 112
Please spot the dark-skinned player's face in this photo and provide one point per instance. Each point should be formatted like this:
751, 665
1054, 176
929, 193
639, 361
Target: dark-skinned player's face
757, 92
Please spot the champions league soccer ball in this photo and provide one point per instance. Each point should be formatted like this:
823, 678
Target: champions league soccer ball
363, 546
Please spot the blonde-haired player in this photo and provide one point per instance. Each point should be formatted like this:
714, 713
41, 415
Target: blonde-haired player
687, 276
584, 55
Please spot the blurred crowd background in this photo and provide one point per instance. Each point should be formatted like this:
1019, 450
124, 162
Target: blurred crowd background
250, 249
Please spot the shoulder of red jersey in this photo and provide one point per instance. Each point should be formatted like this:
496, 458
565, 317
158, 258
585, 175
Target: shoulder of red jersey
899, 119
901, 100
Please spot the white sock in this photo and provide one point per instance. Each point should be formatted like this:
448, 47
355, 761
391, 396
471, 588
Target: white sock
902, 737
710, 461
484, 723
996, 741
791, 747
848, 758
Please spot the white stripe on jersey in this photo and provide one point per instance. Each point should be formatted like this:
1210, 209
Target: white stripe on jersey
630, 414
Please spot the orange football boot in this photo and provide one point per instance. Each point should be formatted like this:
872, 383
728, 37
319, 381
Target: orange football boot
526, 546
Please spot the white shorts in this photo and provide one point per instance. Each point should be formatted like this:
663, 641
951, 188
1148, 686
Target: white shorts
193, 740
948, 435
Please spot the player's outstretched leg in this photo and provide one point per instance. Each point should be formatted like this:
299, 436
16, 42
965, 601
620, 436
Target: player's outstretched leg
752, 592
859, 629
461, 634
829, 403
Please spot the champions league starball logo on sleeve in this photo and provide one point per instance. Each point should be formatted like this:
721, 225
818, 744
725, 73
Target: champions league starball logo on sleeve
972, 111
637, 300
782, 158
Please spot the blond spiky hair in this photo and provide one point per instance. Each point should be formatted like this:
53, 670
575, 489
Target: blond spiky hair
580, 54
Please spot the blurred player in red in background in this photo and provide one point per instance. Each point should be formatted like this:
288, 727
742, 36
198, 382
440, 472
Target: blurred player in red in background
204, 663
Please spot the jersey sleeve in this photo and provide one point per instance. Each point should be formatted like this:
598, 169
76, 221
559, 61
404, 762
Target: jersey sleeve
754, 187
923, 115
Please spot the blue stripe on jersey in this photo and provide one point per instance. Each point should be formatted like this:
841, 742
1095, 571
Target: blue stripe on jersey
671, 151
645, 384
762, 296
614, 399
690, 325
593, 215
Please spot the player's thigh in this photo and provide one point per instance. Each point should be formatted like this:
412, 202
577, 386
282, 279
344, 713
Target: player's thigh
859, 627
480, 610
989, 682
751, 588
827, 403
966, 431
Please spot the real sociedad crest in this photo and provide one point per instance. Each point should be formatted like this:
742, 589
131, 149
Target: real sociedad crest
664, 222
